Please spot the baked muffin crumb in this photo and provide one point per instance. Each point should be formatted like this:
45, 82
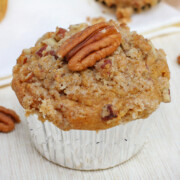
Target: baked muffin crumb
127, 85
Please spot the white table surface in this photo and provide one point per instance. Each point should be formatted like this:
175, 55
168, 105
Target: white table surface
159, 159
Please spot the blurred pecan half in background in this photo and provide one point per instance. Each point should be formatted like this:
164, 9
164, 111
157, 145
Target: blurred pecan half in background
7, 119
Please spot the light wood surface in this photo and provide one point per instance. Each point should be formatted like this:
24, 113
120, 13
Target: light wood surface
159, 159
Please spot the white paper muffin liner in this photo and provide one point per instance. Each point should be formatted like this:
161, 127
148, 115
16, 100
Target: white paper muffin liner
88, 150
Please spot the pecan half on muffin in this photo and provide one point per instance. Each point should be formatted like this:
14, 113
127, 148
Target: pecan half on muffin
125, 8
91, 77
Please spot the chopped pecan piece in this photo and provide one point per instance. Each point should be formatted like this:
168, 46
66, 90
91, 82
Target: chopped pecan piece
7, 119
108, 113
106, 62
40, 51
60, 33
85, 48
22, 59
52, 53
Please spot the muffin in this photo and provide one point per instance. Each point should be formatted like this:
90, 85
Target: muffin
88, 93
125, 8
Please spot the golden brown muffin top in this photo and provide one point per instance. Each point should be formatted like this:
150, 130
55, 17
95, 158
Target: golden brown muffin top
129, 84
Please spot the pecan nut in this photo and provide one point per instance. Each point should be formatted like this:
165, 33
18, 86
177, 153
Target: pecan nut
108, 112
86, 47
7, 119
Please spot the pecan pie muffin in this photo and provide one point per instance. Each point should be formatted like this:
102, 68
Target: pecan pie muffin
125, 8
90, 78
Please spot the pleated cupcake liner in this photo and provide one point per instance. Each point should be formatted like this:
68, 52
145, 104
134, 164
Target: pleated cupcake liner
88, 150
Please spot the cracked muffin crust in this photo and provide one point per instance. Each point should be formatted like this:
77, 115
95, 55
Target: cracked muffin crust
125, 8
127, 85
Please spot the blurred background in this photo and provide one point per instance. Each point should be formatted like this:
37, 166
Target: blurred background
175, 3
26, 21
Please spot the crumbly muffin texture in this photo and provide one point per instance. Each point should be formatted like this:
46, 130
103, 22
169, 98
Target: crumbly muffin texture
125, 86
125, 8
